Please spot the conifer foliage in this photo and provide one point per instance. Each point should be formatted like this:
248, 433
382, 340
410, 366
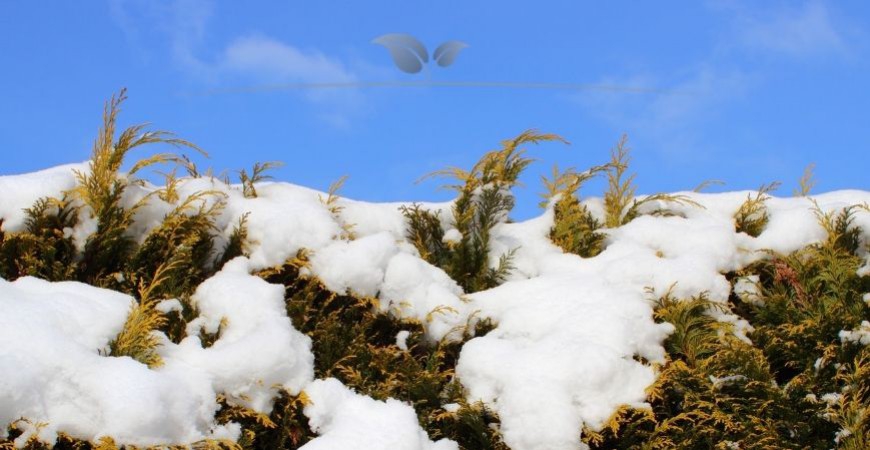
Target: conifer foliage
483, 201
798, 383
575, 228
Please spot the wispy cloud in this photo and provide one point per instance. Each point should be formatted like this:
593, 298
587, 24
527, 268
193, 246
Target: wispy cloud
801, 31
272, 60
673, 121
260, 61
181, 24
705, 88
251, 60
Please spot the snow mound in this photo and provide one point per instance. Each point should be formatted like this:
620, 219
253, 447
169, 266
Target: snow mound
51, 370
346, 420
54, 370
21, 191
257, 348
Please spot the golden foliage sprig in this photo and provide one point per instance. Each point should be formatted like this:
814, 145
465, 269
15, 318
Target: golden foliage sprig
752, 217
620, 203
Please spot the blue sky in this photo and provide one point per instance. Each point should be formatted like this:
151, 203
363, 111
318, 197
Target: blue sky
755, 90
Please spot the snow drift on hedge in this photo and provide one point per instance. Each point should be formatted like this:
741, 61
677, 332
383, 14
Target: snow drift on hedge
346, 420
568, 348
53, 368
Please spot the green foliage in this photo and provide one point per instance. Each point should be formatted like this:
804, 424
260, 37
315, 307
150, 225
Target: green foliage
806, 182
331, 203
184, 239
356, 344
237, 244
575, 229
170, 261
44, 248
284, 428
137, 339
797, 385
258, 174
620, 204
751, 217
484, 201
713, 390
101, 188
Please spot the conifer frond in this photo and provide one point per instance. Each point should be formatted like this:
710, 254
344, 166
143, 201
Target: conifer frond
620, 204
237, 244
43, 249
355, 343
707, 183
169, 192
332, 196
97, 187
751, 217
620, 187
184, 238
425, 233
105, 443
137, 339
331, 203
838, 227
484, 201
101, 189
189, 166
806, 182
258, 174
568, 182
684, 200
216, 444
500, 167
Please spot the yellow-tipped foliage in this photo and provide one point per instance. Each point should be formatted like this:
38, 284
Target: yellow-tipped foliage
806, 182
98, 186
575, 229
354, 343
484, 200
257, 175
43, 249
620, 204
137, 339
331, 203
751, 217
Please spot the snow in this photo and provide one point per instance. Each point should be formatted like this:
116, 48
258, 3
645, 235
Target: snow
21, 191
859, 335
747, 289
574, 337
169, 305
60, 375
257, 348
355, 265
51, 370
346, 420
402, 339
413, 288
452, 236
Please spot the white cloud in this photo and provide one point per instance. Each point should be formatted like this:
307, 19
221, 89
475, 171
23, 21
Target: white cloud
258, 61
674, 119
182, 23
273, 64
679, 123
273, 60
808, 30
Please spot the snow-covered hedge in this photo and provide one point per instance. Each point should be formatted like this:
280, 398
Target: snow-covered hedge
267, 315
